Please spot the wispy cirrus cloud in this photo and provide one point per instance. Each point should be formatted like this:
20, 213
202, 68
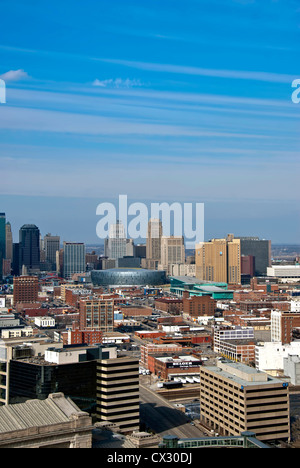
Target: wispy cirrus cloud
41, 120
209, 72
117, 83
14, 75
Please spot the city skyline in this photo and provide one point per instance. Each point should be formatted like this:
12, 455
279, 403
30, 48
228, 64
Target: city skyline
149, 226
167, 103
101, 242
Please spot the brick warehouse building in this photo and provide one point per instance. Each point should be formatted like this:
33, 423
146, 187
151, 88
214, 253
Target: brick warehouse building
96, 314
283, 324
136, 311
167, 366
152, 349
197, 306
26, 289
169, 304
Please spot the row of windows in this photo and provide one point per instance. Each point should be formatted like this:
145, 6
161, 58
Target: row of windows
223, 406
109, 380
224, 419
111, 398
134, 406
220, 389
130, 417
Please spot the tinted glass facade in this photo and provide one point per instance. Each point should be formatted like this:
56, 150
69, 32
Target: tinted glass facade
260, 249
30, 381
29, 236
74, 259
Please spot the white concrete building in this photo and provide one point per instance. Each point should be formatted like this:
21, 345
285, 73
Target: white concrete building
287, 273
180, 269
295, 305
291, 367
73, 355
44, 322
225, 333
269, 355
276, 325
17, 332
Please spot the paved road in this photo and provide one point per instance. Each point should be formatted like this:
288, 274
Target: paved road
163, 418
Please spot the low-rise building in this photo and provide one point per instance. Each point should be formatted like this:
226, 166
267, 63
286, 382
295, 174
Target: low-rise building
155, 349
167, 367
53, 423
44, 322
269, 356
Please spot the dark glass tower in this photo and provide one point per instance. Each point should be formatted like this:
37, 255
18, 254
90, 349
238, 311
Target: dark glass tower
2, 241
29, 241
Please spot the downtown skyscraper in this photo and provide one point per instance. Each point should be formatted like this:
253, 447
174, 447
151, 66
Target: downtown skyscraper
115, 245
2, 241
29, 247
73, 259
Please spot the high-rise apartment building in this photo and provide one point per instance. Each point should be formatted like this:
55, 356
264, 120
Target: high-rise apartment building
118, 393
172, 251
29, 244
235, 398
2, 241
116, 243
73, 259
233, 260
225, 260
219, 260
51, 246
96, 314
211, 260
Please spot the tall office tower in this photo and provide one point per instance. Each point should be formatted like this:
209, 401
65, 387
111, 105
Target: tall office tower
211, 260
233, 260
172, 251
260, 249
118, 393
60, 262
51, 246
16, 259
130, 248
29, 240
2, 241
96, 314
9, 241
140, 250
26, 289
219, 260
115, 245
154, 235
73, 259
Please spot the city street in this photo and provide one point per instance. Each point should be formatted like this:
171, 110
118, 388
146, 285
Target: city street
163, 418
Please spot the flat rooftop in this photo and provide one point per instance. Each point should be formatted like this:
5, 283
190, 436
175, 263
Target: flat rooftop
242, 374
187, 358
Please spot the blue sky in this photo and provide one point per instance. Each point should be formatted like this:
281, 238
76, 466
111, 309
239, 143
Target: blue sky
162, 101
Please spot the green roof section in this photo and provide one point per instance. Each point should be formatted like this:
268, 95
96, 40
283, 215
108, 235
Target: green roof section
179, 284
